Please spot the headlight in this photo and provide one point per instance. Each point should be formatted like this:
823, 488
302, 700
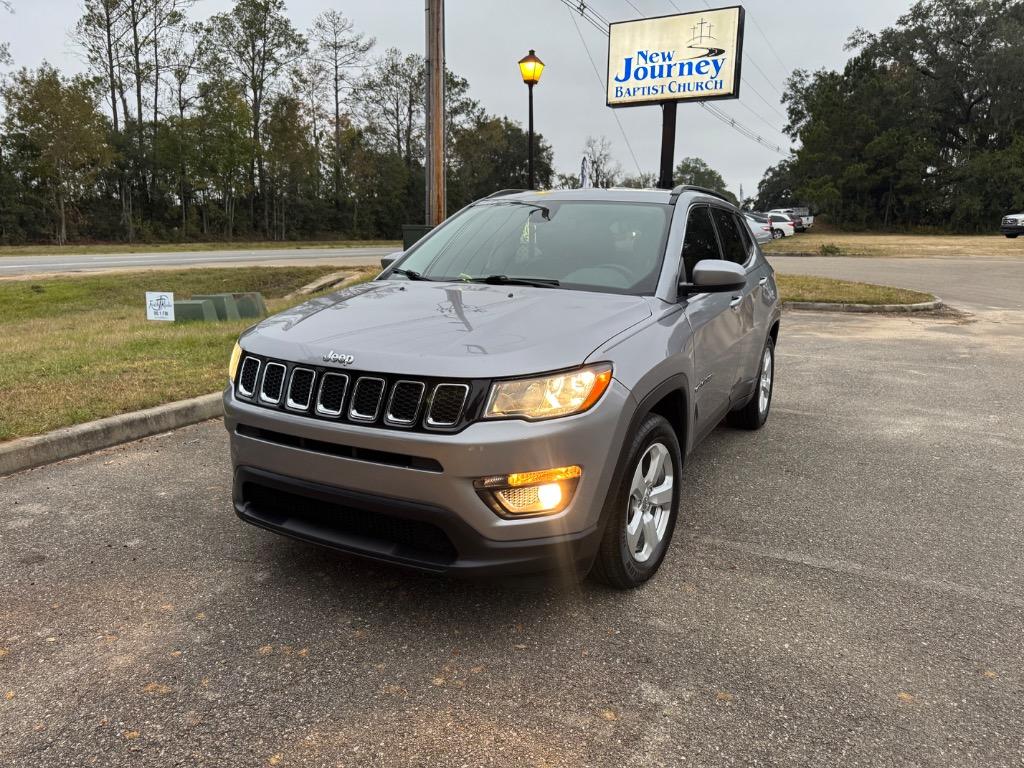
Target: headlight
236, 355
546, 397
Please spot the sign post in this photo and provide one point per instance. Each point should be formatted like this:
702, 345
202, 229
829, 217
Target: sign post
668, 59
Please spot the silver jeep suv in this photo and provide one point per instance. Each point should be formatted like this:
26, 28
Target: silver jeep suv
516, 393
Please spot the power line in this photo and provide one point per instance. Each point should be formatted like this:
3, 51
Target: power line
600, 83
753, 63
769, 42
588, 14
582, 8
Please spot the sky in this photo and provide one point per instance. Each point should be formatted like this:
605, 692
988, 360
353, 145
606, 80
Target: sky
486, 38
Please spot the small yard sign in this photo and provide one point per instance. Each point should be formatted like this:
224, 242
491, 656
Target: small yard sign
159, 306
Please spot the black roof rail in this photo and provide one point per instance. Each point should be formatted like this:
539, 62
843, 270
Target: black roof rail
503, 192
677, 191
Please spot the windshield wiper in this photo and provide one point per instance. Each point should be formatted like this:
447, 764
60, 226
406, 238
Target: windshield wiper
409, 273
539, 282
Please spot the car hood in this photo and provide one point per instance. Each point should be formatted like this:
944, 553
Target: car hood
448, 329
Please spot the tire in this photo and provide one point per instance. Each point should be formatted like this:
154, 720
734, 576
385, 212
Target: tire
755, 413
625, 557
1012, 237
776, 234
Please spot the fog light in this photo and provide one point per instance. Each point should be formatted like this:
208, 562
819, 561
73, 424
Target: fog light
550, 495
543, 492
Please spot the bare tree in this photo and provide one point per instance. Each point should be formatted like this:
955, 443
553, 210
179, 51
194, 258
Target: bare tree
5, 52
341, 50
255, 42
100, 32
391, 103
166, 18
310, 82
604, 170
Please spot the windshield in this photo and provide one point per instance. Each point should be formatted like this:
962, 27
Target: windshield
614, 247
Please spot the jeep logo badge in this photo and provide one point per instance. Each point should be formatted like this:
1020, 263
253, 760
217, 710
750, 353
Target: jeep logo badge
337, 357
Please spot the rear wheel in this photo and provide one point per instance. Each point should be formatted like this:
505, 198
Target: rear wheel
776, 234
755, 413
641, 511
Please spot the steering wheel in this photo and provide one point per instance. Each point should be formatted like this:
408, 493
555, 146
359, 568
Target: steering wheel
620, 269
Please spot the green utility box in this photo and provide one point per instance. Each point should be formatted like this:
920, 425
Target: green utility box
250, 304
413, 232
223, 303
202, 309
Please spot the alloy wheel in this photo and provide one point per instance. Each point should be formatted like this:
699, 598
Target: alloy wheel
650, 502
764, 390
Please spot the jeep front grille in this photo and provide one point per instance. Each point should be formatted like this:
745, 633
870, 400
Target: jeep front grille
273, 383
446, 404
332, 394
300, 390
368, 399
248, 377
404, 403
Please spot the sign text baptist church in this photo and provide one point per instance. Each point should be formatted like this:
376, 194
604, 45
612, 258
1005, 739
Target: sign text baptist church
673, 58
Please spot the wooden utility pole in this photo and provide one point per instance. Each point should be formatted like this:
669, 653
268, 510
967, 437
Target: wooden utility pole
436, 206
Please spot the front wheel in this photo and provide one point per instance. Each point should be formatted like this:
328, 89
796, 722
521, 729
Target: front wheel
1012, 237
641, 511
755, 413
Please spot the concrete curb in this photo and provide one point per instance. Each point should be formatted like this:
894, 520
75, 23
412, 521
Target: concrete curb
28, 452
823, 306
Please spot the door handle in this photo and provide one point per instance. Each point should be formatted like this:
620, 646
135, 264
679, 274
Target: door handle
735, 301
763, 281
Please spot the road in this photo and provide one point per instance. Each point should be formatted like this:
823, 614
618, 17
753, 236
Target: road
845, 588
972, 284
39, 265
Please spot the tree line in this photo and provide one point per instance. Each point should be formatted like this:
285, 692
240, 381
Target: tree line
924, 126
239, 126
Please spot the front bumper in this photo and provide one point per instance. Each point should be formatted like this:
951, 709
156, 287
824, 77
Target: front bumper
411, 534
1012, 229
317, 481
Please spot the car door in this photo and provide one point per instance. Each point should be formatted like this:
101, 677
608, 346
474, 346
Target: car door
739, 250
715, 328
762, 290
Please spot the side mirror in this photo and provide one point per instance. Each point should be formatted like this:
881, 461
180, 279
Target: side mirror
715, 276
387, 261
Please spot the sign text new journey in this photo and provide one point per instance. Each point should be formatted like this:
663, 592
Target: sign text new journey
681, 57
661, 65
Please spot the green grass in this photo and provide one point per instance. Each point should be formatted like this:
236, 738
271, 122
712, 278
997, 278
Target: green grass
824, 289
115, 248
78, 349
824, 242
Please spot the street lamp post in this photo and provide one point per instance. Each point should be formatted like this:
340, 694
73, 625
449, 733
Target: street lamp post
530, 68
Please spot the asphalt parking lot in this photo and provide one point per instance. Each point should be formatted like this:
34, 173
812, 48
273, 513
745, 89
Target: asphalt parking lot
845, 589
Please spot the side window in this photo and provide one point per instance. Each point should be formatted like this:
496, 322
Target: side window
700, 242
733, 247
744, 228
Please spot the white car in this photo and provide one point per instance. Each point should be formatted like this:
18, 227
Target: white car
782, 225
801, 217
759, 226
1012, 225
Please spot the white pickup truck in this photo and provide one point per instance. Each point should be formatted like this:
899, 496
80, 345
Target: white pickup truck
1012, 225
